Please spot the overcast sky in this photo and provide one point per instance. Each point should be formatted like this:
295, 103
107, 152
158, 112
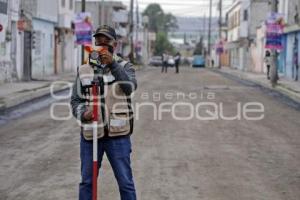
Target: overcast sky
193, 8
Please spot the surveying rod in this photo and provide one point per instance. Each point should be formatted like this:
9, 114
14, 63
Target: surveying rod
95, 136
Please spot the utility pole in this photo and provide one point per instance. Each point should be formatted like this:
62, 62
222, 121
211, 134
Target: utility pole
131, 32
82, 46
137, 28
274, 71
220, 28
220, 18
102, 13
204, 34
209, 28
204, 26
145, 39
137, 19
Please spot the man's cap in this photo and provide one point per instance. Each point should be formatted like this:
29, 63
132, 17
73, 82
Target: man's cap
107, 31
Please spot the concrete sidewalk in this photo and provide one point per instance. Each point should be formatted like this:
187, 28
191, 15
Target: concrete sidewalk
287, 87
13, 94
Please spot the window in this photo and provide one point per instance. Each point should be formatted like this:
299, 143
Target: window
245, 15
51, 41
235, 19
3, 6
63, 3
231, 22
71, 4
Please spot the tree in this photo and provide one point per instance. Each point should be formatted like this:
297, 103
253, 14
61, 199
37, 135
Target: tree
170, 22
156, 16
158, 20
162, 44
161, 24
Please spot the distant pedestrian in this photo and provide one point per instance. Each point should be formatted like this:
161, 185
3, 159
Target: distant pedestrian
165, 58
268, 62
212, 62
177, 61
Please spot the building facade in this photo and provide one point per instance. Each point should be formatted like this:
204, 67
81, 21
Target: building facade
290, 56
66, 51
243, 18
257, 50
44, 17
10, 42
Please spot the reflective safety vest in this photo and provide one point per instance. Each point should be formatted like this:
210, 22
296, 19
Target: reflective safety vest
114, 107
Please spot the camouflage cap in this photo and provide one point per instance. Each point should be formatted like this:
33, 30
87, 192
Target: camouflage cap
107, 31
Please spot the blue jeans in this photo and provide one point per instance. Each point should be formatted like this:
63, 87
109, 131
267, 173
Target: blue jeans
118, 153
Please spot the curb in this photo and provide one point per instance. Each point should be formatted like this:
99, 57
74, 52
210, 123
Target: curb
26, 96
31, 95
288, 91
23, 97
280, 88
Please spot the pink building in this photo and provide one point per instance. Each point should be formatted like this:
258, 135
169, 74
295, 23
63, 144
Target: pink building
257, 51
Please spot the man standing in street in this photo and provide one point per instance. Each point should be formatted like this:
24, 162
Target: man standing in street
165, 58
177, 62
115, 122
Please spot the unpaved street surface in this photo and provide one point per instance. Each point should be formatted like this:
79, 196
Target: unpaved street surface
172, 159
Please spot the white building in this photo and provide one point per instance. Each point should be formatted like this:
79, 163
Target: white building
243, 18
10, 42
43, 15
66, 52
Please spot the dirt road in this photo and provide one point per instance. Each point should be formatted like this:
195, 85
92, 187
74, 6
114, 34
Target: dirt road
220, 159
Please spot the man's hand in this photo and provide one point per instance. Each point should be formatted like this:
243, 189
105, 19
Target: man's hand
106, 57
88, 115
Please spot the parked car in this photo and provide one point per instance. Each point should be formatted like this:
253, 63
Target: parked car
187, 61
171, 61
155, 61
198, 61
